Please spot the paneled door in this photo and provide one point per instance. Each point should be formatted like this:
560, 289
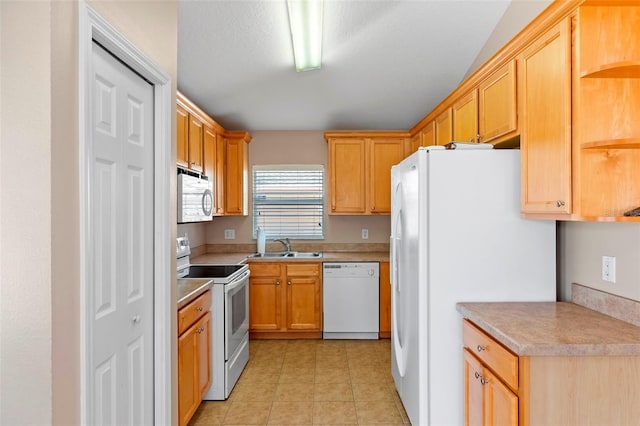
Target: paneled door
120, 229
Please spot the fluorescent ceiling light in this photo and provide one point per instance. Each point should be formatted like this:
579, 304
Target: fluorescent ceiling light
305, 21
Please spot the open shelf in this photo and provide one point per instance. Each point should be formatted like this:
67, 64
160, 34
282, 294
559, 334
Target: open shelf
629, 143
625, 69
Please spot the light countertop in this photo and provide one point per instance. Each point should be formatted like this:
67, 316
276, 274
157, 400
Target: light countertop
221, 258
190, 288
553, 329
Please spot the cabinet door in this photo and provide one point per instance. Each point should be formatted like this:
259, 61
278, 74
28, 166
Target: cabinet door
444, 127
196, 135
209, 153
347, 175
188, 392
414, 143
385, 300
497, 100
383, 153
545, 110
304, 304
182, 138
235, 179
500, 404
473, 402
428, 134
204, 355
465, 118
265, 303
219, 180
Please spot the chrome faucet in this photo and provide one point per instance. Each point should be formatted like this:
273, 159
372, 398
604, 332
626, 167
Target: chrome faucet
286, 243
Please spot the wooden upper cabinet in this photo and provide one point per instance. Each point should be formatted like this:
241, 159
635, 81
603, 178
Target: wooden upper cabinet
182, 138
209, 153
383, 154
444, 127
609, 45
237, 169
219, 181
606, 112
465, 118
545, 108
498, 104
347, 175
428, 134
412, 144
196, 136
360, 170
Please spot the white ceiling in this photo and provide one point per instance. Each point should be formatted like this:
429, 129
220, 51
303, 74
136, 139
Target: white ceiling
385, 63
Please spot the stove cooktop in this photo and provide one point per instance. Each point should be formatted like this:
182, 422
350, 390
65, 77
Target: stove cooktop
213, 271
219, 274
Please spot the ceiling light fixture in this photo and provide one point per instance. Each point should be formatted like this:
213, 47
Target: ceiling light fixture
305, 22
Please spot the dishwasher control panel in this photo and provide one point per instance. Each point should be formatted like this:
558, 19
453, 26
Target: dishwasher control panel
352, 269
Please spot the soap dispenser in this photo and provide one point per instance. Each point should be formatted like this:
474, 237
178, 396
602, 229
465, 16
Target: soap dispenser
261, 241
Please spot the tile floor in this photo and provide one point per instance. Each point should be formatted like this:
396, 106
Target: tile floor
306, 382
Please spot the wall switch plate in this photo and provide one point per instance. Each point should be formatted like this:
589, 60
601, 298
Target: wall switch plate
609, 269
229, 234
365, 234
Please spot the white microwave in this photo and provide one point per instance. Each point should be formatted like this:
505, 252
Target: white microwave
195, 197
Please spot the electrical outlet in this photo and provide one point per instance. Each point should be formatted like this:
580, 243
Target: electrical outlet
609, 269
229, 234
365, 234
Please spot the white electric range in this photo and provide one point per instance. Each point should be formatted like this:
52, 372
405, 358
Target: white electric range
229, 318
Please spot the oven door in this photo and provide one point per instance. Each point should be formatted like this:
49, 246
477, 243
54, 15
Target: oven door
236, 311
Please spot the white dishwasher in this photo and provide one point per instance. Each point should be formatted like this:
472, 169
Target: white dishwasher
350, 294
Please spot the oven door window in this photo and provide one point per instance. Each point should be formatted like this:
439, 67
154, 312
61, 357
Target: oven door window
237, 316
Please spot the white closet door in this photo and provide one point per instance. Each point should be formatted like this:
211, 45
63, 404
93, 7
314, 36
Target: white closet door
121, 244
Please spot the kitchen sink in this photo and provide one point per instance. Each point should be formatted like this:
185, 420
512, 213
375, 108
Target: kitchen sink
288, 254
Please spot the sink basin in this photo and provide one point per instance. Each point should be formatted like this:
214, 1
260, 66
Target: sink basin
289, 254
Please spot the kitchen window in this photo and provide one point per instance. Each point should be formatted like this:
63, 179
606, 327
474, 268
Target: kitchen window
288, 201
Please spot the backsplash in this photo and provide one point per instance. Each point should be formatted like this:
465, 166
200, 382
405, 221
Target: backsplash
609, 304
299, 246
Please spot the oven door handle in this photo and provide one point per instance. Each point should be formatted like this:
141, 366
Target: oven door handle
237, 283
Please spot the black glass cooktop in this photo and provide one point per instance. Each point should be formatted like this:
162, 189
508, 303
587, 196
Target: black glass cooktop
213, 271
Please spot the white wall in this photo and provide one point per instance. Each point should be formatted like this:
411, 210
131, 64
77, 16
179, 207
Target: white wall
39, 210
298, 147
580, 250
515, 18
25, 207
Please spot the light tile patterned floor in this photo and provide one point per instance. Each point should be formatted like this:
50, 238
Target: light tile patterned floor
304, 382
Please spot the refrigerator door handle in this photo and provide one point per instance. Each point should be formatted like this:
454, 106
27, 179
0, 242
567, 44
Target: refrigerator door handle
395, 293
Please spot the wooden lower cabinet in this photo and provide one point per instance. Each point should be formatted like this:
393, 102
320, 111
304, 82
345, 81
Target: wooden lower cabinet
285, 300
502, 388
194, 356
384, 331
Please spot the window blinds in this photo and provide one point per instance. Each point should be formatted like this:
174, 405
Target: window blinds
288, 201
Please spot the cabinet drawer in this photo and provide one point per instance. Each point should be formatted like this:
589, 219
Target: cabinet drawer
303, 269
264, 269
194, 310
491, 353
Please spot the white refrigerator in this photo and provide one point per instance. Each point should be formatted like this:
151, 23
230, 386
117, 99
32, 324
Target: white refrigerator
456, 236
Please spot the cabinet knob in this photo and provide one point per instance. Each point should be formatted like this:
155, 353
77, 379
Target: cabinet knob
484, 381
477, 375
478, 137
480, 348
288, 282
559, 203
277, 282
199, 309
